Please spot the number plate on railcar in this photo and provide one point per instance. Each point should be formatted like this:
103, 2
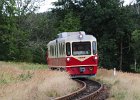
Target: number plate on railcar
82, 69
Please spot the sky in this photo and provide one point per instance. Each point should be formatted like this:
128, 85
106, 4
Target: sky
47, 4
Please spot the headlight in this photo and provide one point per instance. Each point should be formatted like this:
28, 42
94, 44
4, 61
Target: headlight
96, 58
68, 59
81, 36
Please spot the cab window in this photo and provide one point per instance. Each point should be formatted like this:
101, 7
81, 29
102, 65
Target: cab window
68, 49
94, 47
81, 48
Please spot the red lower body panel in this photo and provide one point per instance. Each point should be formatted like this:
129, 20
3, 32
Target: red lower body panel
74, 66
57, 62
86, 70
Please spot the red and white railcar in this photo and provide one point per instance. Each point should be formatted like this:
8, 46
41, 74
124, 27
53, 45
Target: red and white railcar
75, 52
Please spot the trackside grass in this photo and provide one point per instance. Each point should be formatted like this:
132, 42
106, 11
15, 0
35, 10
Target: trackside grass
22, 81
124, 86
24, 66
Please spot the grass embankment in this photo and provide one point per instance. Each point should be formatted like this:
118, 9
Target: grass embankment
124, 86
22, 81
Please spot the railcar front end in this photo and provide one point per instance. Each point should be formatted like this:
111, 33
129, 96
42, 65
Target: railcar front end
75, 52
82, 58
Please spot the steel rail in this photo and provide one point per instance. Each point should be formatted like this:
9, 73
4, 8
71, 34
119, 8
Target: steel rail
92, 95
82, 90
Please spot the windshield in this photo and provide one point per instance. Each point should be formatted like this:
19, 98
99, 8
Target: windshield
81, 48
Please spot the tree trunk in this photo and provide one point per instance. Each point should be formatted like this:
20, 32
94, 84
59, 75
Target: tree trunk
135, 65
121, 56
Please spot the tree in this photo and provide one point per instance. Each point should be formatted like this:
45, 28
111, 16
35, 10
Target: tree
27, 6
70, 23
42, 29
136, 46
109, 21
7, 26
14, 40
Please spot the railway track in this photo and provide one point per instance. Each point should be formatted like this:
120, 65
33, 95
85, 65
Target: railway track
89, 91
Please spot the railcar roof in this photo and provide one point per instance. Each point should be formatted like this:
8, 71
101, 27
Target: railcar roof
73, 36
76, 38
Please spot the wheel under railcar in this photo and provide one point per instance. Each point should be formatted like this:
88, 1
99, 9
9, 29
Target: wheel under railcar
75, 52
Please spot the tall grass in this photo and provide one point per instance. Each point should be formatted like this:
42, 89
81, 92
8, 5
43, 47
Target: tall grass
24, 66
22, 81
124, 86
11, 73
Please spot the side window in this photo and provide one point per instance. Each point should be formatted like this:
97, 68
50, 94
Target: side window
63, 49
55, 50
68, 49
52, 51
59, 49
94, 47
